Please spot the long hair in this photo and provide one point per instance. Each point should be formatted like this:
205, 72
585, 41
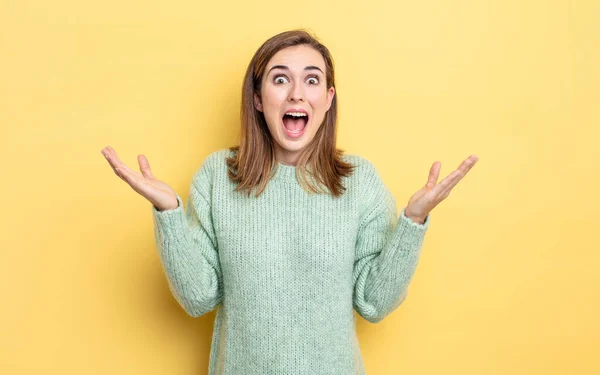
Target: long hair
320, 163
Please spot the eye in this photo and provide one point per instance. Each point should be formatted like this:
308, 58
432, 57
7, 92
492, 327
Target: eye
315, 80
278, 78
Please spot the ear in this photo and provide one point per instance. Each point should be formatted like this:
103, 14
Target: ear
330, 95
257, 103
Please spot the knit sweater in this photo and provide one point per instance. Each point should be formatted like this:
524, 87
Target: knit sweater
287, 269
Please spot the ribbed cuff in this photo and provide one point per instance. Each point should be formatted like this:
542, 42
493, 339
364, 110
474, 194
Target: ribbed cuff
409, 221
170, 221
403, 251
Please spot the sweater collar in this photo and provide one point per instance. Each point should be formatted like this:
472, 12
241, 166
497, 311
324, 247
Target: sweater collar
284, 173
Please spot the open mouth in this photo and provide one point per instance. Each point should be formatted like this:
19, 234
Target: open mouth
295, 124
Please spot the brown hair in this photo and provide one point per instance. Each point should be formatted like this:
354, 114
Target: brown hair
254, 159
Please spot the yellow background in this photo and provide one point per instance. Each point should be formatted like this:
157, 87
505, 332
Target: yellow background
508, 282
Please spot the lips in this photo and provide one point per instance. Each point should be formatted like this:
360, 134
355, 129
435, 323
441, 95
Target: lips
294, 126
296, 110
294, 122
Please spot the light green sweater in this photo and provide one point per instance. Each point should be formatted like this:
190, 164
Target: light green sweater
287, 269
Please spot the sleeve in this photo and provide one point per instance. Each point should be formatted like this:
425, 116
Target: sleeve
187, 247
387, 251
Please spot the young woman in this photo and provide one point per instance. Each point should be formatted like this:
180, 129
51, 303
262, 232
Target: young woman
285, 233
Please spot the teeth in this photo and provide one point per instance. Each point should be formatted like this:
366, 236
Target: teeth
296, 114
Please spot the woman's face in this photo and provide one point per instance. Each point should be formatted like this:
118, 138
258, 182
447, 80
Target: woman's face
294, 81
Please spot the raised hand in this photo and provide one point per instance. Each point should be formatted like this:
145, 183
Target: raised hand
161, 195
424, 200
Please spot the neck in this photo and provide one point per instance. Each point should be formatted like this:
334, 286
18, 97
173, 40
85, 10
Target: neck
288, 158
286, 163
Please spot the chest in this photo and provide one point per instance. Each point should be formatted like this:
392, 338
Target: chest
286, 230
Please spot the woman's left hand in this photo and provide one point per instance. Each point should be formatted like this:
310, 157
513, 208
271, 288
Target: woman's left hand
424, 200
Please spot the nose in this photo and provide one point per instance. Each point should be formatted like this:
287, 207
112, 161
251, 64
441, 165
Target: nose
296, 92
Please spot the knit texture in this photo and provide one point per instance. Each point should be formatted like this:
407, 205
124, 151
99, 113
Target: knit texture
287, 269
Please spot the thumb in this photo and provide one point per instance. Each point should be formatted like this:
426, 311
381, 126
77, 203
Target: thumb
145, 167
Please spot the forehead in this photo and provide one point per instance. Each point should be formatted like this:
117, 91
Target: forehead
297, 58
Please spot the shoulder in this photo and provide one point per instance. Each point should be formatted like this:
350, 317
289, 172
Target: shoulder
214, 160
365, 171
373, 192
218, 157
209, 167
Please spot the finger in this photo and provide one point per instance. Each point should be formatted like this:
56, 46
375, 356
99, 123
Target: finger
468, 163
447, 183
117, 164
434, 173
109, 159
145, 166
132, 179
456, 177
113, 157
464, 167
110, 156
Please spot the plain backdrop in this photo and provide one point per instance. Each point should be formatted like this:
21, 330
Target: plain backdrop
508, 278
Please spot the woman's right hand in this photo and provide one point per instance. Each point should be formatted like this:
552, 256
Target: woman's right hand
161, 195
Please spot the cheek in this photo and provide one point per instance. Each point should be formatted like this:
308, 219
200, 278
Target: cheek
317, 99
273, 97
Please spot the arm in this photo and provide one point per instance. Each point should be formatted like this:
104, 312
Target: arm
387, 252
188, 249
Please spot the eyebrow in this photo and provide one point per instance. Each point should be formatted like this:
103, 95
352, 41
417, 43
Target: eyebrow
284, 67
